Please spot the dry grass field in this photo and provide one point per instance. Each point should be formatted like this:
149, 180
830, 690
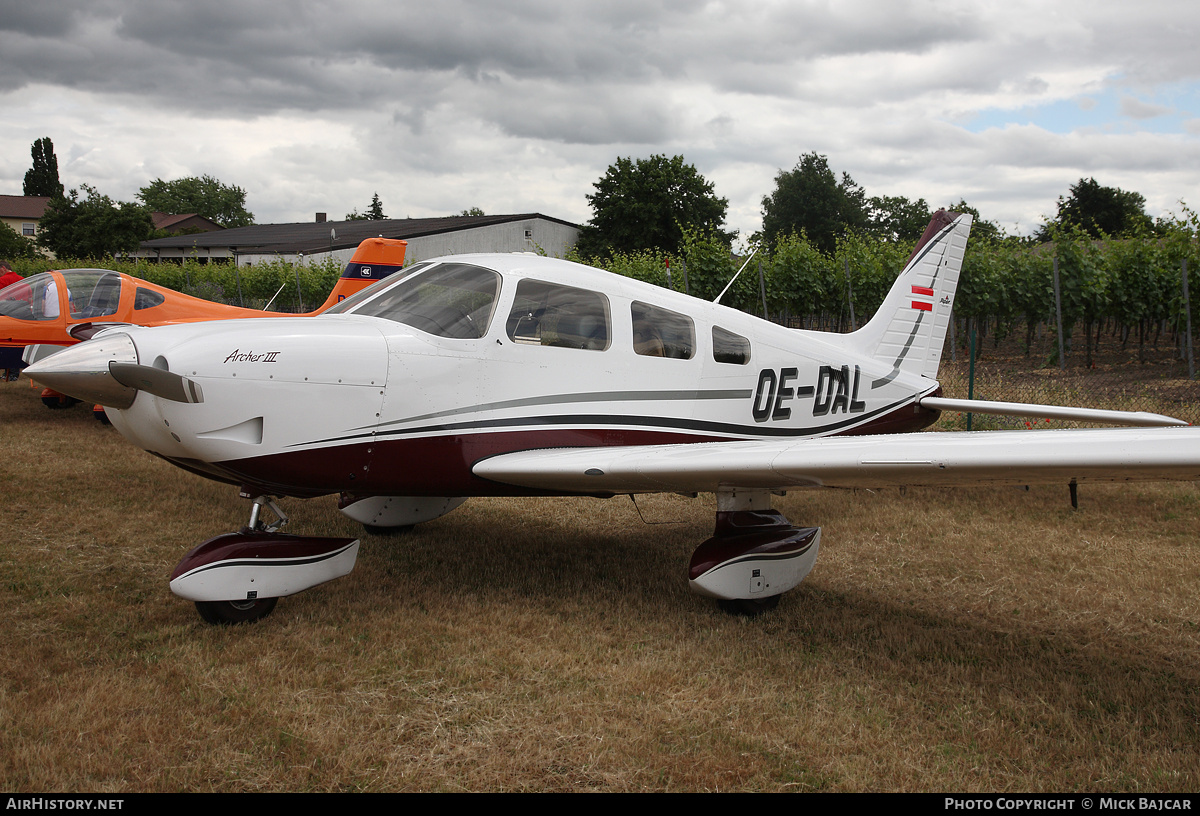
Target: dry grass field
947, 640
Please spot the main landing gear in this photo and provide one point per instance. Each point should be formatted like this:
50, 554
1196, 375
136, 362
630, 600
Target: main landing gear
239, 577
754, 556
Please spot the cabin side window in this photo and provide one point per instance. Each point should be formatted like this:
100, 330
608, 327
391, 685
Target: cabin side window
549, 314
662, 333
145, 298
729, 347
453, 300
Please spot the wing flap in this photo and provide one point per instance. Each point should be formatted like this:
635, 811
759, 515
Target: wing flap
954, 458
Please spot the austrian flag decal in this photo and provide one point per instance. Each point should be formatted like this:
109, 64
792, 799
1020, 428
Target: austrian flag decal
923, 305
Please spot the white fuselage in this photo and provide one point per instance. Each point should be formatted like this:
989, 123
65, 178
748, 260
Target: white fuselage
372, 406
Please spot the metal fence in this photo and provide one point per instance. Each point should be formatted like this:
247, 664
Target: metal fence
1130, 371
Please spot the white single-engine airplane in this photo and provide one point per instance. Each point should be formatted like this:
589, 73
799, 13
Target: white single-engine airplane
505, 375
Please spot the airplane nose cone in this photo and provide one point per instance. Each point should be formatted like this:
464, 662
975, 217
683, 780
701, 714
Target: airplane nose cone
82, 371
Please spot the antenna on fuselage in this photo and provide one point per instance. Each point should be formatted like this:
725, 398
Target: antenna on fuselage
272, 300
717, 299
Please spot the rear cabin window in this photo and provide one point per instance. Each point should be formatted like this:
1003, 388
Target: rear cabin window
453, 300
549, 314
729, 347
661, 333
145, 298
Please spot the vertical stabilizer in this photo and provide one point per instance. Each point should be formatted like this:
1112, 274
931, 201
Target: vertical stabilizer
374, 260
909, 329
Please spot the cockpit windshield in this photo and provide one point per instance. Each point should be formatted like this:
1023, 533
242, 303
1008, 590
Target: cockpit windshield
347, 306
454, 300
91, 293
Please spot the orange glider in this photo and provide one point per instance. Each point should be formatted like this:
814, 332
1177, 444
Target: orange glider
63, 307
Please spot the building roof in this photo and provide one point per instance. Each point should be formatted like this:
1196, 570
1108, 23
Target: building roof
32, 207
168, 221
325, 236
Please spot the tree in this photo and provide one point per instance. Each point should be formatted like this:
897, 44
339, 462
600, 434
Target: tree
647, 204
1102, 211
13, 245
94, 227
896, 218
980, 229
373, 213
42, 178
472, 211
809, 199
204, 196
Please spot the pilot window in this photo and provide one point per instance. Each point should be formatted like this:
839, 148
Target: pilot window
729, 347
90, 293
661, 333
450, 300
547, 314
27, 299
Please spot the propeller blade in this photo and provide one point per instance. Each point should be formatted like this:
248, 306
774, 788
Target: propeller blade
165, 384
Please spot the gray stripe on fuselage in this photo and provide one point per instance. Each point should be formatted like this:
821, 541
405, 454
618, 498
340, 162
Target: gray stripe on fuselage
591, 422
566, 399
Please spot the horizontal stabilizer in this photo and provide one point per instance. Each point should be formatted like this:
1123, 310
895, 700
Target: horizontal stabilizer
1143, 419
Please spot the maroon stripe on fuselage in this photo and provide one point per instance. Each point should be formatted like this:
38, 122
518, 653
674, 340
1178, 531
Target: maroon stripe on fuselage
428, 466
441, 465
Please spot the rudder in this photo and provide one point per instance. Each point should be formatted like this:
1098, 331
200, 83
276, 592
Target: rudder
374, 260
909, 329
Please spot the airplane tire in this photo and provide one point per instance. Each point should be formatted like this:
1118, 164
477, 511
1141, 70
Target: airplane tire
231, 612
388, 531
749, 607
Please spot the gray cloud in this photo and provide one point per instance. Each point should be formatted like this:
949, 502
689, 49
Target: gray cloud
441, 106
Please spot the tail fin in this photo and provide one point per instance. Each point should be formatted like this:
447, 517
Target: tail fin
374, 260
909, 329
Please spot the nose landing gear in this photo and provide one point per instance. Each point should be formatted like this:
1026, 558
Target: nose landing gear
239, 577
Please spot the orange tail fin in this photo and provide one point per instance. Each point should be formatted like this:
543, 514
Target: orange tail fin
374, 260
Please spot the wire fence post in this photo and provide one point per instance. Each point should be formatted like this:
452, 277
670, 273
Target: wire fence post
850, 295
971, 367
1187, 308
762, 287
299, 291
1062, 358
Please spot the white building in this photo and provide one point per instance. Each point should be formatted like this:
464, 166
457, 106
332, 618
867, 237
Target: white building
320, 239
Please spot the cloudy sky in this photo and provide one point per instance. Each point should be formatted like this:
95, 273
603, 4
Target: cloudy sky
521, 105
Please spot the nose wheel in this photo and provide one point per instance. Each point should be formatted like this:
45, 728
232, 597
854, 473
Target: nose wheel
230, 612
240, 577
748, 607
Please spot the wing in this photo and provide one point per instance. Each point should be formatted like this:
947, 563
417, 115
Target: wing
954, 458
